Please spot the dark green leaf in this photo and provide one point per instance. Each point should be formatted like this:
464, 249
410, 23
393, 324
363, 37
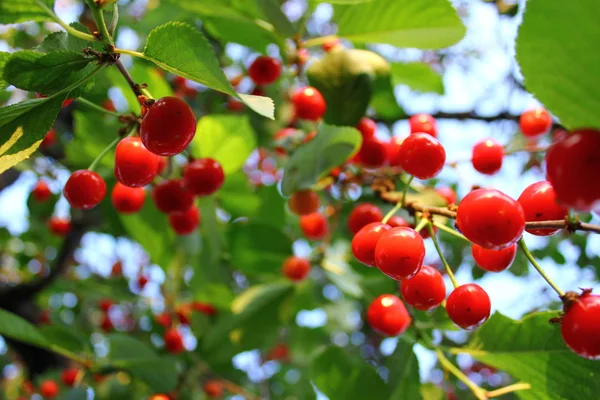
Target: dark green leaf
281, 23
15, 11
3, 59
65, 337
384, 102
404, 372
59, 41
238, 198
417, 76
15, 327
123, 347
158, 373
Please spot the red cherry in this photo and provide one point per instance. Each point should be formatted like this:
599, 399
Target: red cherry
468, 306
184, 314
490, 218
363, 243
447, 193
168, 126
393, 148
330, 44
170, 196
314, 226
487, 156
127, 200
373, 153
281, 137
571, 165
302, 56
362, 215
109, 105
396, 221
160, 397
203, 176
234, 104
580, 327
421, 155
49, 139
494, 260
135, 166
85, 189
164, 319
304, 202
279, 352
535, 122
264, 70
48, 389
309, 103
425, 232
367, 128
70, 376
204, 308
106, 324
173, 341
105, 304
399, 253
213, 388
65, 103
539, 204
41, 192
296, 268
142, 281
423, 123
117, 269
184, 223
59, 226
424, 291
162, 164
387, 315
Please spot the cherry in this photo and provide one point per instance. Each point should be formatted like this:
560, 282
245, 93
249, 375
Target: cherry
142, 281
127, 200
85, 189
302, 56
59, 226
49, 139
487, 156
117, 269
393, 148
109, 105
447, 193
160, 397
65, 103
314, 226
468, 306
164, 319
367, 128
362, 215
421, 155
204, 308
168, 126
234, 104
387, 315
581, 325
105, 304
264, 70
296, 268
304, 202
184, 223
309, 103
571, 165
423, 123
490, 219
363, 243
173, 341
41, 192
399, 253
184, 314
162, 164
171, 196
539, 204
424, 291
135, 166
70, 376
279, 352
203, 176
106, 324
48, 389
535, 122
373, 153
494, 260
330, 44
213, 388
396, 221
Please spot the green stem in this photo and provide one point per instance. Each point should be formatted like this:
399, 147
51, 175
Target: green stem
539, 269
450, 231
422, 224
442, 258
405, 191
319, 41
108, 148
70, 30
114, 21
70, 355
391, 213
98, 15
130, 53
96, 107
479, 392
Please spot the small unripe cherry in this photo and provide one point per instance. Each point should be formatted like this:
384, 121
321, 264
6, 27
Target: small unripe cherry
41, 191
468, 306
85, 189
421, 155
203, 176
365, 240
264, 70
127, 200
580, 327
171, 196
493, 260
213, 388
539, 204
535, 122
48, 389
487, 156
173, 341
309, 103
367, 128
135, 166
424, 291
387, 315
399, 253
423, 123
304, 202
184, 223
362, 215
70, 376
314, 226
296, 268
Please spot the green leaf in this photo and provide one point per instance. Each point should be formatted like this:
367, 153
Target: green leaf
181, 49
93, 132
58, 41
331, 147
338, 270
228, 139
281, 23
3, 60
140, 73
15, 327
210, 269
124, 347
424, 24
429, 391
384, 102
16, 11
547, 48
417, 76
404, 372
532, 350
65, 337
237, 197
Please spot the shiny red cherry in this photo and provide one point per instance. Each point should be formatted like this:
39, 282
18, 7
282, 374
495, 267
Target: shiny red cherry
304, 202
309, 103
41, 192
387, 315
487, 156
168, 126
296, 268
399, 253
184, 222
423, 123
135, 166
170, 196
490, 219
424, 291
539, 204
493, 260
421, 155
314, 226
373, 153
213, 388
571, 166
70, 376
468, 306
49, 389
447, 193
127, 200
367, 128
203, 176
363, 214
363, 243
59, 226
396, 221
173, 341
535, 122
264, 70
580, 327
85, 189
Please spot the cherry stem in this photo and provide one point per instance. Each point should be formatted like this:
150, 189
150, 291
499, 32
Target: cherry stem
115, 19
450, 231
539, 269
96, 107
442, 258
479, 392
98, 15
70, 30
108, 148
319, 40
422, 224
508, 389
391, 213
405, 191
